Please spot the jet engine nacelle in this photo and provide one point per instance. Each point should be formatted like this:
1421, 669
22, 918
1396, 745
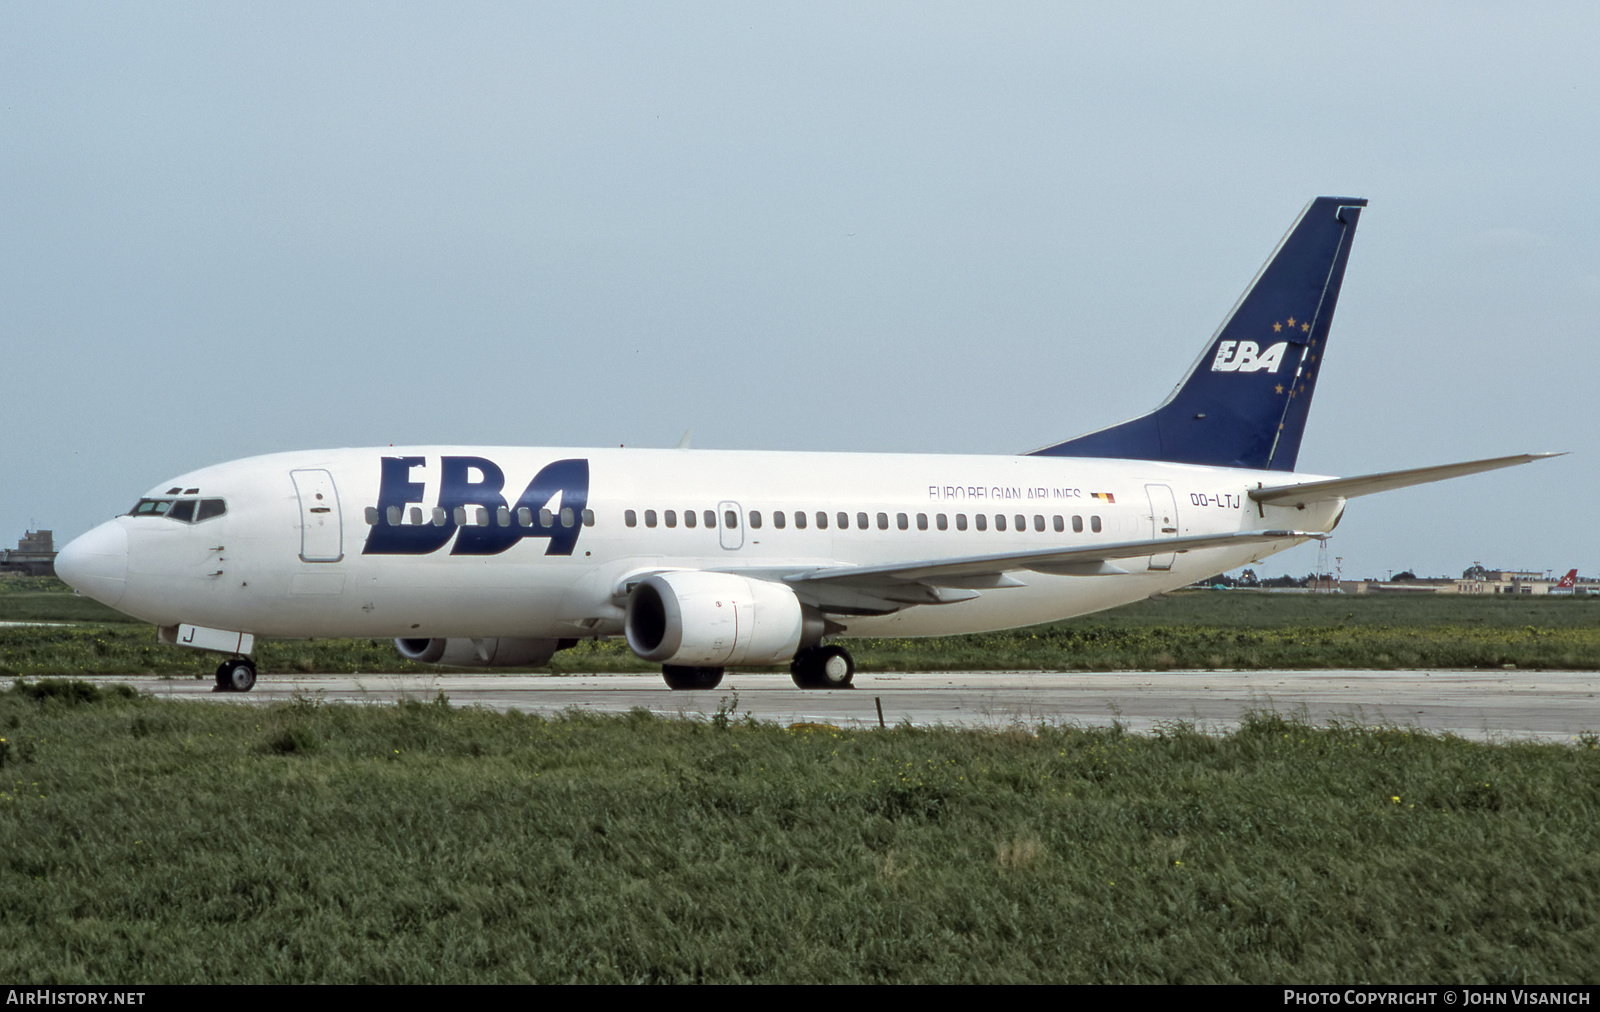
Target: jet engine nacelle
489, 652
715, 620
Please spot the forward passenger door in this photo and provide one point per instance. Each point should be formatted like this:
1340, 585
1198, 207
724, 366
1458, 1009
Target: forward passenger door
321, 522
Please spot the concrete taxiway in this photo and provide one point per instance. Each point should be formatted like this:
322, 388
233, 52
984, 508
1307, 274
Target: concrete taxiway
1497, 705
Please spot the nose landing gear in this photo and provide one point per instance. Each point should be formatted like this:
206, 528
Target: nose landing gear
237, 674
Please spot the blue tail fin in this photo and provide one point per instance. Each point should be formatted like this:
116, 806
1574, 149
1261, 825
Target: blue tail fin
1244, 403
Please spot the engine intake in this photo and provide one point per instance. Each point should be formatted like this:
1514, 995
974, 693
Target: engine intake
716, 620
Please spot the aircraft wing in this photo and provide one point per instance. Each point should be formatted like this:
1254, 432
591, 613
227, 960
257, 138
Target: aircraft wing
1309, 492
887, 588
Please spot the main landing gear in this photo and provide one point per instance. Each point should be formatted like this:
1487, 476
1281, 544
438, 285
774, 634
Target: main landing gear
680, 677
236, 674
827, 667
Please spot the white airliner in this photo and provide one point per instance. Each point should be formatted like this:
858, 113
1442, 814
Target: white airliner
703, 560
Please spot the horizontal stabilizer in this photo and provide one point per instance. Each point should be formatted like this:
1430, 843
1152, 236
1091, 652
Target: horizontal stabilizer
1348, 488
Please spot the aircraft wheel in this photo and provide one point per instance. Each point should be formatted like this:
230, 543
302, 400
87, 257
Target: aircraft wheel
237, 675
679, 677
829, 667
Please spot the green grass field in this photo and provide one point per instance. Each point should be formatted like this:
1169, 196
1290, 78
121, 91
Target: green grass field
1196, 630
145, 842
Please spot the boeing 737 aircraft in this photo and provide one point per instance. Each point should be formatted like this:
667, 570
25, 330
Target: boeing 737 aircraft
703, 560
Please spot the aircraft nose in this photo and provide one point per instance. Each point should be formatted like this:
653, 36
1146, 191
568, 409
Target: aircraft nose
96, 564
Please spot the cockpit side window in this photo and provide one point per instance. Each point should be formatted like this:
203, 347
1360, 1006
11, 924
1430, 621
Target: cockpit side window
183, 510
211, 508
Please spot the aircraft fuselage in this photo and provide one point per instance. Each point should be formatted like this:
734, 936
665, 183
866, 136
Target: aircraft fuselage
465, 542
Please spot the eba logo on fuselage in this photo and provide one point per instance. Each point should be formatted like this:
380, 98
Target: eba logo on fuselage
466, 483
1245, 356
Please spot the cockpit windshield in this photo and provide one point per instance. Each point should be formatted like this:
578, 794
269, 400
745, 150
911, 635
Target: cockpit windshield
189, 511
151, 508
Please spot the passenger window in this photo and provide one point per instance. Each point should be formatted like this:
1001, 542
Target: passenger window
999, 521
1094, 524
393, 513
482, 518
1077, 525
566, 516
800, 520
524, 516
546, 518
961, 521
440, 517
213, 508
1038, 522
711, 519
416, 516
844, 521
755, 519
671, 517
1022, 522
883, 521
730, 519
502, 516
942, 521
630, 518
459, 514
981, 521
588, 518
649, 518
778, 519
862, 524
689, 518
1057, 523
372, 515
922, 521
822, 521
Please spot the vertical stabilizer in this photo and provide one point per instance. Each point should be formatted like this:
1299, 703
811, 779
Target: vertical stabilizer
1244, 402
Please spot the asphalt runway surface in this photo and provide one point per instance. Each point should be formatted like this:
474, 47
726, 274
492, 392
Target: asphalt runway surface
1486, 706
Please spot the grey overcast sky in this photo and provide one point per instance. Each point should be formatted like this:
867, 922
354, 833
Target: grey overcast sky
230, 229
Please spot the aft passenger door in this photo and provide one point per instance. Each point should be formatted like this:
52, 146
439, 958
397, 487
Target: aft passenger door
1163, 520
321, 522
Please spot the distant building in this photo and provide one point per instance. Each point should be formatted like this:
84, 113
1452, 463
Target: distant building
34, 555
1476, 580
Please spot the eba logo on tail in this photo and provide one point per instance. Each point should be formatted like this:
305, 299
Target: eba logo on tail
1245, 356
